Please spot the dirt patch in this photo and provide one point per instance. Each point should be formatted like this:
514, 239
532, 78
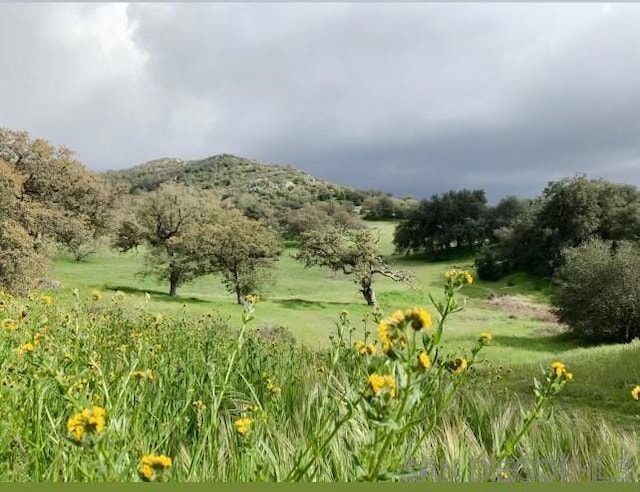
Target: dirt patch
518, 305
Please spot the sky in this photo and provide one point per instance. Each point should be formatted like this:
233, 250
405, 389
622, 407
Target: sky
414, 99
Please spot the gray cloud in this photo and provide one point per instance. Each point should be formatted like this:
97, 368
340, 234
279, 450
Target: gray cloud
411, 98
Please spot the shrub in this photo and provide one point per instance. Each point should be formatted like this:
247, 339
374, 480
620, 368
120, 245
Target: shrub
20, 263
489, 266
598, 290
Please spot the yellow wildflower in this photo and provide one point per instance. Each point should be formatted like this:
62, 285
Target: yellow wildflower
383, 333
86, 422
152, 464
459, 365
96, 295
273, 387
635, 393
37, 337
378, 383
559, 369
47, 300
26, 348
424, 361
9, 324
146, 374
468, 279
390, 331
199, 405
252, 299
243, 425
418, 318
485, 337
365, 349
451, 274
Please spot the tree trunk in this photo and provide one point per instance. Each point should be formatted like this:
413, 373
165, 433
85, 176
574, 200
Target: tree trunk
239, 296
173, 284
367, 292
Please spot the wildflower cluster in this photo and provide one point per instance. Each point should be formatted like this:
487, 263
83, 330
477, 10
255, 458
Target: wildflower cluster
47, 300
199, 405
413, 374
243, 425
146, 374
153, 466
560, 371
635, 393
365, 348
380, 385
272, 387
457, 277
86, 425
555, 379
27, 348
252, 299
393, 329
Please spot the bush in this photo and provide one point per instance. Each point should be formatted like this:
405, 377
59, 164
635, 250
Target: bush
20, 263
598, 290
489, 266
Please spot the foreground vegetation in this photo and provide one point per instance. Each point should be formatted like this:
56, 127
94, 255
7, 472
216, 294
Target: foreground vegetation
97, 392
109, 375
305, 302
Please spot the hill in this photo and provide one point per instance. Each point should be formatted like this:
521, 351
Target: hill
245, 182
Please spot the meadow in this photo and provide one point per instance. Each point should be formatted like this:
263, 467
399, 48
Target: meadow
115, 380
307, 301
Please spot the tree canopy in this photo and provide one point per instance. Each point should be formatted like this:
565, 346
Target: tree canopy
159, 221
47, 197
456, 219
353, 252
241, 250
567, 214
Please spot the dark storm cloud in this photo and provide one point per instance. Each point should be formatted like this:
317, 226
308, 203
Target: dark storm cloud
412, 98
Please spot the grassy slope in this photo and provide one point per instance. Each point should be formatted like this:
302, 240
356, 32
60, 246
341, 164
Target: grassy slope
307, 301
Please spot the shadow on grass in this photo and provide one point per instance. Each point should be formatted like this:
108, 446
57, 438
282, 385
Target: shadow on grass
464, 257
305, 304
156, 293
552, 343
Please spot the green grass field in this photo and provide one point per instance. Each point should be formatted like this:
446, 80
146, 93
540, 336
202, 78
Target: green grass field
308, 301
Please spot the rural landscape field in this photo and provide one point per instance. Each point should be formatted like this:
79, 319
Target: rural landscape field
419, 295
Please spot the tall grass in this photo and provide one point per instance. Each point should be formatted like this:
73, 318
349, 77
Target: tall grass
177, 386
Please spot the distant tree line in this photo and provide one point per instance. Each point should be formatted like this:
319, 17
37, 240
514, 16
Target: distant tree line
567, 214
521, 234
582, 234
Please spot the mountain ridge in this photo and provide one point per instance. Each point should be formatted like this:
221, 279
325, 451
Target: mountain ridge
241, 180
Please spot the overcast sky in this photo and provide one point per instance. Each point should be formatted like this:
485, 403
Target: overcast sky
411, 98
